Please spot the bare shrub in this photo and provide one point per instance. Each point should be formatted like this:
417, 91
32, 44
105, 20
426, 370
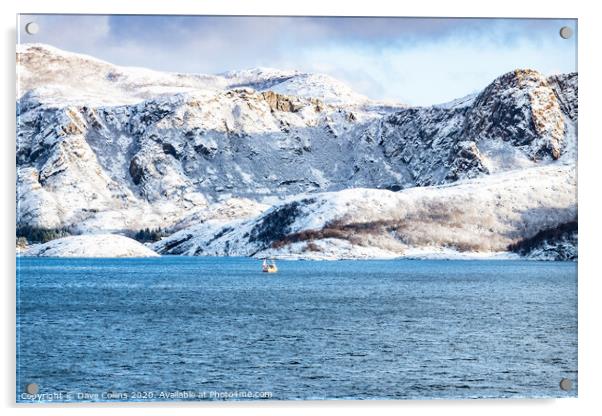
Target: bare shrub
311, 246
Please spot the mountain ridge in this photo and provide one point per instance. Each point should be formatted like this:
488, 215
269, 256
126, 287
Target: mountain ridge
131, 85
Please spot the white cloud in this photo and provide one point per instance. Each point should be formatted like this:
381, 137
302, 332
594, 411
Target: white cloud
439, 71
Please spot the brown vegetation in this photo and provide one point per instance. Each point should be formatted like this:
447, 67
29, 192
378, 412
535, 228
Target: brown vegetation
435, 224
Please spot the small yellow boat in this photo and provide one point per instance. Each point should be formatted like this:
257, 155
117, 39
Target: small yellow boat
269, 267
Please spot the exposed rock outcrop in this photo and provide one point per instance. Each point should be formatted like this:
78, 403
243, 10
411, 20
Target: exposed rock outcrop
556, 243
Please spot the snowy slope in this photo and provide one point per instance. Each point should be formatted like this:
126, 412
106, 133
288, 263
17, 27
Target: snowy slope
57, 78
94, 245
479, 215
465, 101
321, 86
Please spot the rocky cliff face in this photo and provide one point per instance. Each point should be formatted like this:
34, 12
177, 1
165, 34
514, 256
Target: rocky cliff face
520, 108
516, 122
101, 147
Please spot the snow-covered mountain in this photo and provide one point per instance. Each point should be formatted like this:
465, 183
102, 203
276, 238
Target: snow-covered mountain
102, 148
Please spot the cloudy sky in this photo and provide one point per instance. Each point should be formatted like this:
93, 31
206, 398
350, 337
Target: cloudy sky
412, 60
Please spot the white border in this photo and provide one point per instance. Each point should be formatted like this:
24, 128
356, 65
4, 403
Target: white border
590, 163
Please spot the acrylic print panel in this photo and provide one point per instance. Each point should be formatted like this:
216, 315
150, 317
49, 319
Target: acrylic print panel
173, 171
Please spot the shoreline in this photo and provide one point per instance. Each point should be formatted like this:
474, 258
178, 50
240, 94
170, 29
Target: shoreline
498, 257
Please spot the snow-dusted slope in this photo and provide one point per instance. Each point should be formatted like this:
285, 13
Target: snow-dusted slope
58, 78
320, 86
299, 84
465, 101
480, 215
93, 245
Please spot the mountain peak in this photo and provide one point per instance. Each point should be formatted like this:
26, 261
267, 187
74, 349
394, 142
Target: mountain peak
65, 78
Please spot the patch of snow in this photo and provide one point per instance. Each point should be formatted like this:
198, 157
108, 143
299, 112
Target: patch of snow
462, 102
91, 245
442, 253
327, 249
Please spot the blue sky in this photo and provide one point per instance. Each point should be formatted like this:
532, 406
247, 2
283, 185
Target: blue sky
417, 61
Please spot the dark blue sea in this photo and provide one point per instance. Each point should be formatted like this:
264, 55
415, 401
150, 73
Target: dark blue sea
193, 328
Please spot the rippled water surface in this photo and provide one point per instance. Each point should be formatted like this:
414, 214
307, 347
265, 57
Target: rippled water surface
178, 328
